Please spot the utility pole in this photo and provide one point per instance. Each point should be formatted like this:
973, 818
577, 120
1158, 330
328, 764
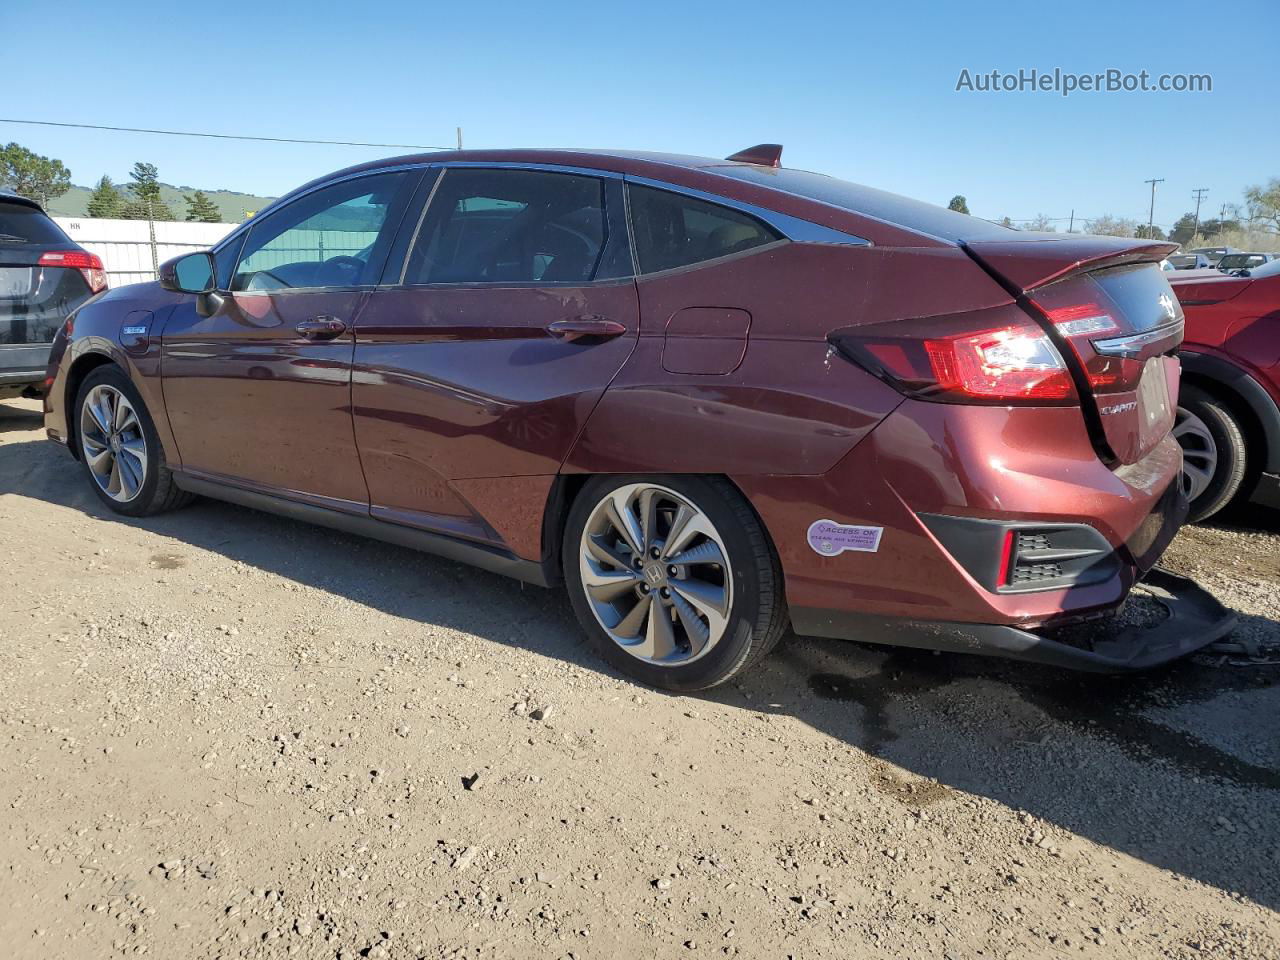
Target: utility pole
1199, 193
1151, 214
459, 138
1071, 224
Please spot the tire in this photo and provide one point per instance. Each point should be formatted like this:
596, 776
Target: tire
730, 571
128, 485
1213, 450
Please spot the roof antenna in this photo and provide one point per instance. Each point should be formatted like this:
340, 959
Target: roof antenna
765, 154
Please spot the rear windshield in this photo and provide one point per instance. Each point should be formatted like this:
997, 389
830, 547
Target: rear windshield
22, 224
890, 207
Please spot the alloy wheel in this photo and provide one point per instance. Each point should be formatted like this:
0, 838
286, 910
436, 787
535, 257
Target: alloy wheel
1199, 452
656, 574
113, 444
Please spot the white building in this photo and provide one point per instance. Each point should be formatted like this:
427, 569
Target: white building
126, 248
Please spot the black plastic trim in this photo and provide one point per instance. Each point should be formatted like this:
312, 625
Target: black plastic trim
1195, 619
488, 558
977, 545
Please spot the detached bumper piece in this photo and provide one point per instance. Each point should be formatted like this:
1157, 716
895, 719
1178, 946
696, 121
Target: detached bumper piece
1166, 617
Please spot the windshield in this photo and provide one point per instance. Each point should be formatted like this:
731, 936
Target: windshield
1241, 261
890, 207
1271, 269
20, 223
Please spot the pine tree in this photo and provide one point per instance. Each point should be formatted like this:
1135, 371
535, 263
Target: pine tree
146, 202
958, 204
201, 208
106, 200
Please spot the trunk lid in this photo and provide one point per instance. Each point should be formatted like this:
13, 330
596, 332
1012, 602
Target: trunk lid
1117, 322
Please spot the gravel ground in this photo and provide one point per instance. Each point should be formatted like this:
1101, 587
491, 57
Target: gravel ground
230, 735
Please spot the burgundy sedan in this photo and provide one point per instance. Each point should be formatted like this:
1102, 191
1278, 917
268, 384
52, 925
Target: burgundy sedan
713, 398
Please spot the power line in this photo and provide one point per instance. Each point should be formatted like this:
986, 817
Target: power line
224, 136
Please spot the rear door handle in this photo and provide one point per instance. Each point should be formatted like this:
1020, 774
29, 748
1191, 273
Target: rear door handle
321, 328
583, 328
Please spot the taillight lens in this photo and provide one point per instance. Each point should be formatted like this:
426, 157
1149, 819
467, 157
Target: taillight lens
89, 265
1080, 322
960, 359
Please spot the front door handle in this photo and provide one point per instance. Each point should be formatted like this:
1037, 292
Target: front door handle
321, 328
583, 328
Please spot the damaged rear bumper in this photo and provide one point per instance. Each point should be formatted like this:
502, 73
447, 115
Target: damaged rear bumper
1185, 618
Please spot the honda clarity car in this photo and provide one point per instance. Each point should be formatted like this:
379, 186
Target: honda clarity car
713, 399
43, 278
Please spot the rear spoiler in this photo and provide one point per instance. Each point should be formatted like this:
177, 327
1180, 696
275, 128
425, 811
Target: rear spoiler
1044, 258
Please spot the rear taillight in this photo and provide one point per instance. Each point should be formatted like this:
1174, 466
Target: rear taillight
961, 359
1079, 322
89, 265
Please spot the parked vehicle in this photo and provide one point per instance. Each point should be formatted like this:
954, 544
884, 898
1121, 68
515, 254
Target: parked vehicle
711, 397
43, 278
1229, 410
1231, 262
1214, 254
1190, 261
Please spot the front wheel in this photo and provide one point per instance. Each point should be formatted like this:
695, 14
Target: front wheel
119, 447
673, 579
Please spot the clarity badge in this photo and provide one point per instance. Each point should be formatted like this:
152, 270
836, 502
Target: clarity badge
830, 539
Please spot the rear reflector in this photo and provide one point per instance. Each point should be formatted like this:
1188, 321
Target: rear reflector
89, 265
959, 359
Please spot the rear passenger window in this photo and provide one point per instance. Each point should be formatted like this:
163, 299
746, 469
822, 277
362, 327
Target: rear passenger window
510, 226
675, 230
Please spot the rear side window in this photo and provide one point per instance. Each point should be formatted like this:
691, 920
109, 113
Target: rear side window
675, 230
510, 226
22, 224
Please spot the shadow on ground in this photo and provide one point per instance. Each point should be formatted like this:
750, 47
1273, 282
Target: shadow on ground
1145, 765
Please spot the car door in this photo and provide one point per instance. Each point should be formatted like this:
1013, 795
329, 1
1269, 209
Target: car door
479, 360
259, 393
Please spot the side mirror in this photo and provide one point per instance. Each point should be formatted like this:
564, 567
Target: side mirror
190, 273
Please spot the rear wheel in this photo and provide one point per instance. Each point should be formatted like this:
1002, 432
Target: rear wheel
673, 579
120, 449
1213, 452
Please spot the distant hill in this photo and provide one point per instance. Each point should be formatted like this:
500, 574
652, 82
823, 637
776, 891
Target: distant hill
233, 206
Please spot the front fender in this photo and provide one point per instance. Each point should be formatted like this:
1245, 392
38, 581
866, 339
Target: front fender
91, 337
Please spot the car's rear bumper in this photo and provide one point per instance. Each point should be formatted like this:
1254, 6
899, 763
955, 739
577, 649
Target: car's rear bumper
22, 363
1192, 619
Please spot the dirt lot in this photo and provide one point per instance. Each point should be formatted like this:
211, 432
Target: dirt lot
229, 735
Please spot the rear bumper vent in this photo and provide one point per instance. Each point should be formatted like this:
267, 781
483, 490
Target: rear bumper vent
1025, 557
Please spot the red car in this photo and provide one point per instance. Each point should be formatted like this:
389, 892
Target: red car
714, 398
1229, 413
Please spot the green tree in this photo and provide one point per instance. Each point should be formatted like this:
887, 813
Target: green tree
1110, 226
146, 203
1211, 228
106, 199
1262, 204
1184, 229
1144, 232
1006, 222
958, 204
34, 176
200, 207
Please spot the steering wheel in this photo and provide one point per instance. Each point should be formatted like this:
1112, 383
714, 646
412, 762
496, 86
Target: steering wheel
342, 260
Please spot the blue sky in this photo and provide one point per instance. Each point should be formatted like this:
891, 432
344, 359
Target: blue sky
861, 91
